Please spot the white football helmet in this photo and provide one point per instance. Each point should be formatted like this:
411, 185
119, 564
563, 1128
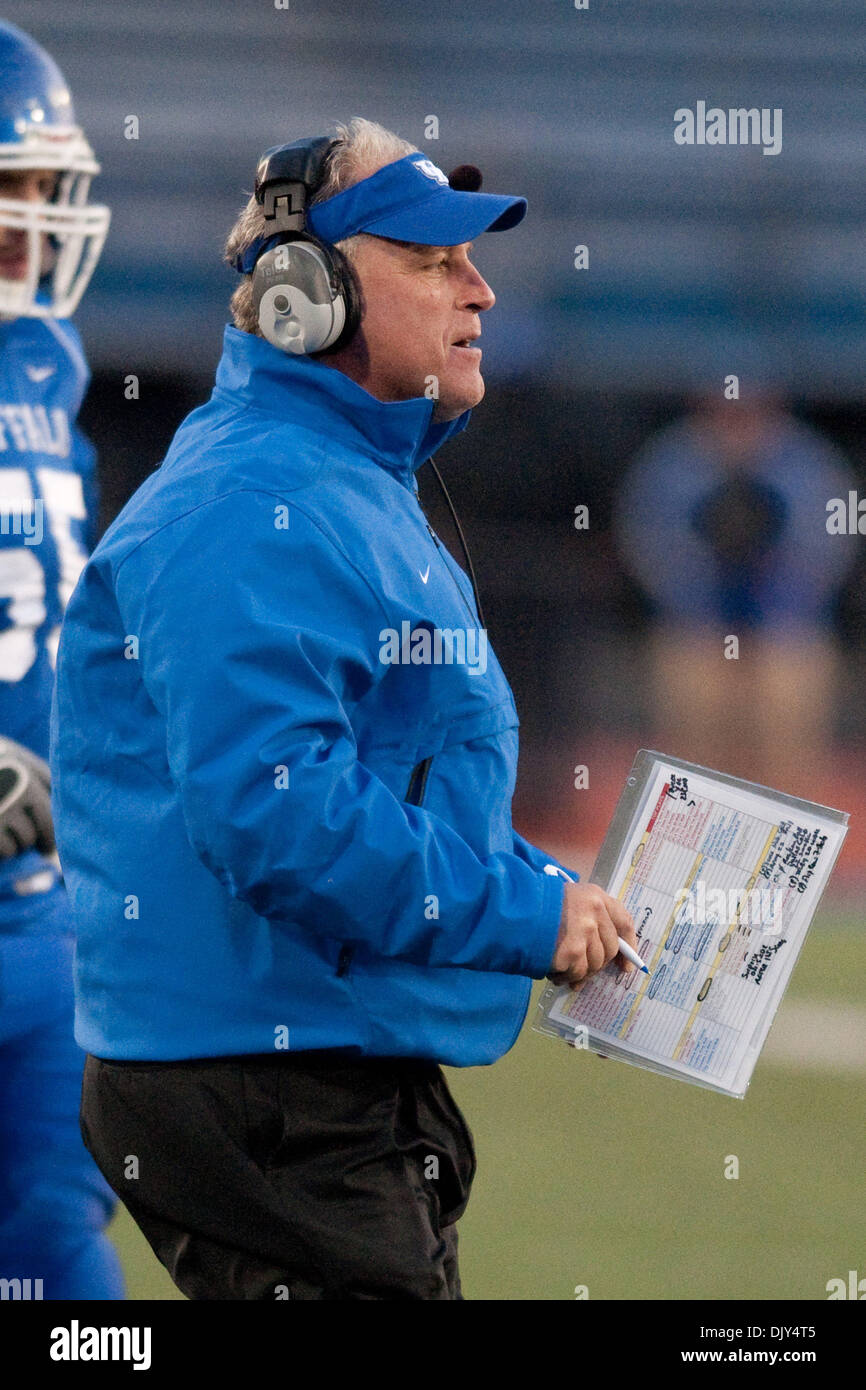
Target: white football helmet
59, 239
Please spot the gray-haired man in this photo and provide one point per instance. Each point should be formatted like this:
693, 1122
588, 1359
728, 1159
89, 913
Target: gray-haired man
329, 897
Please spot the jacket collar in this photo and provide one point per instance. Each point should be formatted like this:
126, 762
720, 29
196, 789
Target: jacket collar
398, 434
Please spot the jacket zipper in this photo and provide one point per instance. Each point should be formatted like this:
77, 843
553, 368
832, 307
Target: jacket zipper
418, 778
438, 544
418, 783
414, 796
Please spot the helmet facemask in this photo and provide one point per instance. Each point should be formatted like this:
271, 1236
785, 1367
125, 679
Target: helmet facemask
64, 235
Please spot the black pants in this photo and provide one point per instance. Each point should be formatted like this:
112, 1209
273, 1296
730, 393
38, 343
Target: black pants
305, 1175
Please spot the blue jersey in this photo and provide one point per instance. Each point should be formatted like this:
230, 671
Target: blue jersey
46, 497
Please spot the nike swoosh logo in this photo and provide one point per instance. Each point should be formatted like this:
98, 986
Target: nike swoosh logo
40, 373
425, 576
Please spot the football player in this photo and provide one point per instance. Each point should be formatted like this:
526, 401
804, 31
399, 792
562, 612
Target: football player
54, 1204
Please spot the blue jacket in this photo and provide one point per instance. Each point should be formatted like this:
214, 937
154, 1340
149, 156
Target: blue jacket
277, 828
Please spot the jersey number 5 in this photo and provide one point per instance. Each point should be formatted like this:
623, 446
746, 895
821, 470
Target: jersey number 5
22, 574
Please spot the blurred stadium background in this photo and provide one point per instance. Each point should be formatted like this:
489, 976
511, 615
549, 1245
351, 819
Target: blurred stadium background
702, 262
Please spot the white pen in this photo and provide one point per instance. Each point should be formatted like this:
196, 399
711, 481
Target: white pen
624, 947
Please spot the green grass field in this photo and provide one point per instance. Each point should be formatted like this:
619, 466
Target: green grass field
596, 1173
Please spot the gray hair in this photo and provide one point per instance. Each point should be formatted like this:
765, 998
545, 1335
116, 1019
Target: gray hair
364, 147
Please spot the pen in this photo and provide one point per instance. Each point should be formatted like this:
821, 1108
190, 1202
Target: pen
624, 947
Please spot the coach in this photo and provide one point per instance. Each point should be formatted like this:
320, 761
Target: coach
283, 760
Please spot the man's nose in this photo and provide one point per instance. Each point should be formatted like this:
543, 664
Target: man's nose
32, 190
479, 292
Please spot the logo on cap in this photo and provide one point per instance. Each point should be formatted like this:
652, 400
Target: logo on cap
429, 168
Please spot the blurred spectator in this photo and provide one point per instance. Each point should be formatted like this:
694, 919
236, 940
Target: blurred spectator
722, 520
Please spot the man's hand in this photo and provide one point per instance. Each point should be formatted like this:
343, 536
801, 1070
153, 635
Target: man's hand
25, 801
588, 930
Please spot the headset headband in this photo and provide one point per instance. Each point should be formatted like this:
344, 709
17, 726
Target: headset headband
285, 176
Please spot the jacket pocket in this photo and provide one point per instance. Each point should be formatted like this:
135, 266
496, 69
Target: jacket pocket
414, 797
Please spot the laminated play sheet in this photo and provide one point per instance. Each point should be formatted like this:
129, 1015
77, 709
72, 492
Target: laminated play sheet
722, 878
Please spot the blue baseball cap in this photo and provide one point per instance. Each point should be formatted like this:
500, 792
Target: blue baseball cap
412, 200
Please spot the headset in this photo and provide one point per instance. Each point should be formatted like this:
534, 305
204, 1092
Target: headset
306, 295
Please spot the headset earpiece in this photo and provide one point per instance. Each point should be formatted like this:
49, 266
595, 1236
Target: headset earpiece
305, 293
350, 288
305, 296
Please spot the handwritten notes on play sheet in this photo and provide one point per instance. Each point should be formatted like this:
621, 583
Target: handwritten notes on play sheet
722, 878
